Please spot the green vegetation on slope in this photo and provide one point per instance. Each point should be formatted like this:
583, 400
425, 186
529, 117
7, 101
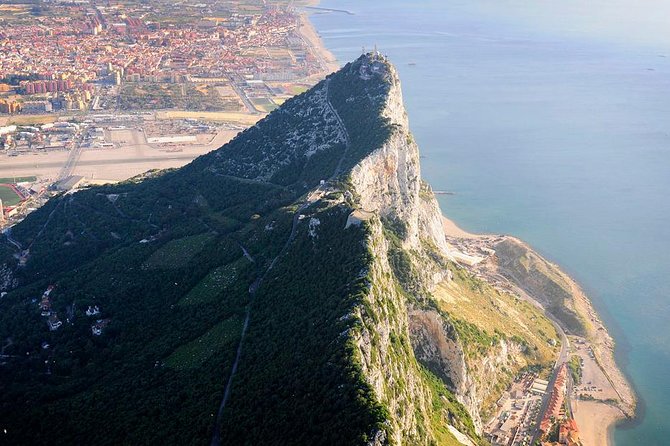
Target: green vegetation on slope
575, 367
298, 373
89, 246
360, 104
149, 253
197, 352
214, 286
541, 279
177, 253
483, 317
446, 410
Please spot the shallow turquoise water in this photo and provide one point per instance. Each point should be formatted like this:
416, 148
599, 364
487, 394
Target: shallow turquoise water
550, 132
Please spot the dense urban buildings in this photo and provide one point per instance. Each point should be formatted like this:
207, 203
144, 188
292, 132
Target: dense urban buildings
139, 85
82, 55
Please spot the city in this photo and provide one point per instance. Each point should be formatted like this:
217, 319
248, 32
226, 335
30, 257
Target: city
95, 92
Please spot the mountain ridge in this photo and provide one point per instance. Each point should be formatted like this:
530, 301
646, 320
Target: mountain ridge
280, 289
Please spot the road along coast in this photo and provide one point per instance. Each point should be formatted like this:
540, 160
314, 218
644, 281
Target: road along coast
603, 397
309, 34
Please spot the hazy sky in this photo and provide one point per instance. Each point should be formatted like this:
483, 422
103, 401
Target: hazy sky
627, 21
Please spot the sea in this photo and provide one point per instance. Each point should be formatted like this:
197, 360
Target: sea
548, 120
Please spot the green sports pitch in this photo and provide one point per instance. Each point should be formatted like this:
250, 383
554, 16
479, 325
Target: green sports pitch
9, 196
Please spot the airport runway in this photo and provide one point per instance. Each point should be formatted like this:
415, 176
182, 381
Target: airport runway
134, 156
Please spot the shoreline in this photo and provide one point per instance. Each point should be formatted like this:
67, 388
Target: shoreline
599, 418
329, 62
596, 419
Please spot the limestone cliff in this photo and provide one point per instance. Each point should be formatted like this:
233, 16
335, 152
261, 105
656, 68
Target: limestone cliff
389, 179
474, 380
305, 265
387, 183
387, 358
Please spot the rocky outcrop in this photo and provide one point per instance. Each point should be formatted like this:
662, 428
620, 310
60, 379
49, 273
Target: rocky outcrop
436, 344
7, 279
388, 180
386, 354
388, 183
473, 380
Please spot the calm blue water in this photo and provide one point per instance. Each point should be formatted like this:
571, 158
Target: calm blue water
554, 128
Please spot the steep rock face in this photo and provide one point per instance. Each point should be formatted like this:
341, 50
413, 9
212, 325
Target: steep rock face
473, 380
387, 358
389, 179
388, 183
486, 373
341, 321
436, 344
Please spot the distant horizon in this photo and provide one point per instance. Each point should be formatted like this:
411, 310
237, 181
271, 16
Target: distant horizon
643, 22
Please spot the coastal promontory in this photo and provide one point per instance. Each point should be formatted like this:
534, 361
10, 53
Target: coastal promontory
295, 286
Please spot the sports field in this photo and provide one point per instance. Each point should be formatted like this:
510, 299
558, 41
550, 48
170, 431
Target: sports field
9, 196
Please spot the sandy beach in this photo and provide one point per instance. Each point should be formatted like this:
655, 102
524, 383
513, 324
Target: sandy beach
328, 61
603, 350
451, 229
594, 421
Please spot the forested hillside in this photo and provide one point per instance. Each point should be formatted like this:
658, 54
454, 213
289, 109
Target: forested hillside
126, 306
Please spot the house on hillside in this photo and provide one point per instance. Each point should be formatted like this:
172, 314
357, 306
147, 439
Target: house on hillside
92, 311
53, 322
45, 306
99, 326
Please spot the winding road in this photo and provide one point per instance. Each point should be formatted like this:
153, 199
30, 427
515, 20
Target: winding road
8, 233
345, 133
